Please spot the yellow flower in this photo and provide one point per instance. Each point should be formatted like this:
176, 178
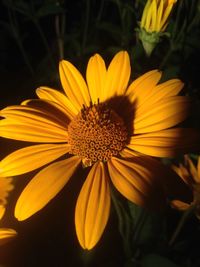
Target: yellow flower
5, 186
106, 125
154, 22
155, 15
191, 176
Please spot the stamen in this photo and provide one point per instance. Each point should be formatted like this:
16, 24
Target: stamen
96, 134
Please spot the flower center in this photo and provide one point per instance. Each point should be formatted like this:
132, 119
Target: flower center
96, 134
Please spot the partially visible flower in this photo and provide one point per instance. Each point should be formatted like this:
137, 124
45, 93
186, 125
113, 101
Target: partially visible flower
154, 22
191, 176
110, 127
5, 187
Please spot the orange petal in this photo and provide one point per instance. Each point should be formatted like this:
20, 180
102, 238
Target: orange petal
32, 132
93, 207
166, 143
2, 211
6, 234
167, 180
74, 85
31, 115
118, 75
59, 98
179, 205
30, 158
96, 75
135, 182
192, 169
44, 186
51, 109
198, 169
159, 92
167, 113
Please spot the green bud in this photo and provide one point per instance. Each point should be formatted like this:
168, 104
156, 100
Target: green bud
149, 40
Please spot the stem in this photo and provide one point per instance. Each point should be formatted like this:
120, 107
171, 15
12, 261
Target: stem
182, 221
124, 224
139, 226
13, 24
60, 30
100, 10
44, 40
165, 59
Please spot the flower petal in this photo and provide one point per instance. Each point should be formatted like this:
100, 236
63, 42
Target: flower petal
50, 108
159, 17
74, 85
44, 186
140, 89
118, 75
6, 234
161, 91
169, 112
2, 211
30, 115
179, 205
96, 74
30, 158
59, 98
93, 207
198, 168
168, 181
135, 182
166, 143
192, 169
184, 175
13, 129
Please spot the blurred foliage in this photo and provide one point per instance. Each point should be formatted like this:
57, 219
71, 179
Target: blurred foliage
36, 34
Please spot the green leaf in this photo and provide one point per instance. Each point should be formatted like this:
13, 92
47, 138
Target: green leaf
49, 9
147, 226
153, 260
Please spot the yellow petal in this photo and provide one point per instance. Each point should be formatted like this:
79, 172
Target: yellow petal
74, 85
93, 207
179, 205
149, 15
6, 235
159, 17
51, 109
166, 143
169, 112
140, 89
144, 14
118, 75
192, 169
2, 211
30, 158
154, 15
96, 74
44, 186
160, 92
59, 98
5, 186
30, 132
134, 181
30, 115
198, 168
168, 182
166, 13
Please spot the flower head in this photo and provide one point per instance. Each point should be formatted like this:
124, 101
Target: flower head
5, 187
191, 176
106, 125
154, 22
